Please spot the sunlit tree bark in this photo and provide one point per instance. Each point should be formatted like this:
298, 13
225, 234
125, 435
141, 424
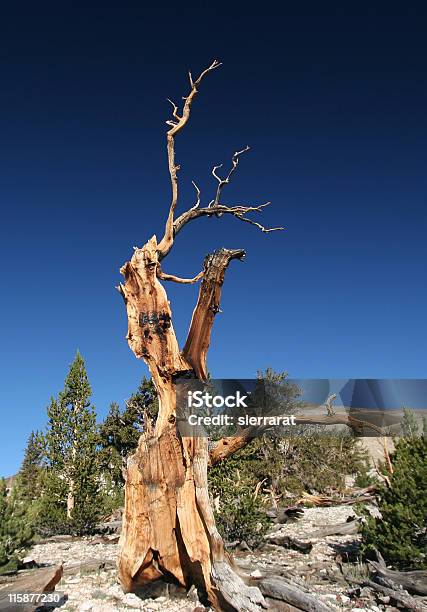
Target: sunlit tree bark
169, 529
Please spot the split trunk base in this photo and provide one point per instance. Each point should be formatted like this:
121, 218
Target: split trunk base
169, 530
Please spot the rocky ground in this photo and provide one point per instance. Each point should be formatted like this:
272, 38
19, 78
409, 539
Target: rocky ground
318, 570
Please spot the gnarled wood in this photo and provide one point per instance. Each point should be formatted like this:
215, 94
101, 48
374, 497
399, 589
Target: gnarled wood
168, 527
283, 590
198, 339
413, 582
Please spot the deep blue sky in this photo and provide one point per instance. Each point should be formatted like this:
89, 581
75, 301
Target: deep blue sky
334, 108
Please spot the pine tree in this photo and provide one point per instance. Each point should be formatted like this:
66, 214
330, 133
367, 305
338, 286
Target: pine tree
401, 533
4, 545
71, 487
31, 468
119, 435
120, 432
141, 408
15, 528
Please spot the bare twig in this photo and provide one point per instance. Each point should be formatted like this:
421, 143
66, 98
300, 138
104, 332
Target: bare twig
328, 404
197, 204
382, 476
176, 126
223, 182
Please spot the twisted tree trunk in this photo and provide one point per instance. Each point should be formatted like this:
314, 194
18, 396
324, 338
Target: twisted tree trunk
169, 529
168, 525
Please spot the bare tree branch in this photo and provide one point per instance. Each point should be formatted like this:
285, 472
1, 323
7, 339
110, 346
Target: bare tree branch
215, 206
239, 212
223, 182
177, 279
166, 242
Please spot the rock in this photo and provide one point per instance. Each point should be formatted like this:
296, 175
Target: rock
343, 598
161, 599
86, 606
133, 601
28, 562
256, 574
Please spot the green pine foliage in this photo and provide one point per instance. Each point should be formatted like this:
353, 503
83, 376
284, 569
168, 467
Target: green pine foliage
238, 510
280, 469
71, 459
15, 528
409, 423
316, 463
31, 471
121, 429
141, 408
119, 435
401, 534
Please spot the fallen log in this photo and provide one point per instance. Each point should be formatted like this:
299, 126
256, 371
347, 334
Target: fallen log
323, 500
104, 540
288, 542
349, 528
400, 596
283, 590
413, 582
58, 539
389, 589
41, 580
87, 567
274, 605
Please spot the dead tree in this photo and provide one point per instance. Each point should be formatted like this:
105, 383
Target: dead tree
169, 529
